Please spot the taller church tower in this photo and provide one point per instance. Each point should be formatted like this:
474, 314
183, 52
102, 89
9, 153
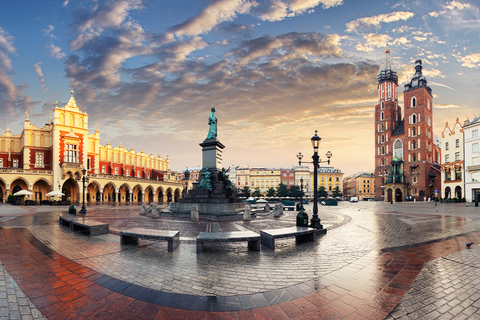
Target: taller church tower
387, 119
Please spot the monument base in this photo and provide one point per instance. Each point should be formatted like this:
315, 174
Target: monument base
209, 208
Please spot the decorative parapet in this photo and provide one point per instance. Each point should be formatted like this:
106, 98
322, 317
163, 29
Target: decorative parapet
26, 171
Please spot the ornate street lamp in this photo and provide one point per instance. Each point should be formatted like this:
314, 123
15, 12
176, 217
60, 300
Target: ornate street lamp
84, 179
315, 221
301, 194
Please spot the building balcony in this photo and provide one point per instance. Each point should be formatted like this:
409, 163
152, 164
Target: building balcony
473, 168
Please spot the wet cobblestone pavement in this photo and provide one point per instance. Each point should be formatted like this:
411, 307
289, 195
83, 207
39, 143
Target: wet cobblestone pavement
401, 261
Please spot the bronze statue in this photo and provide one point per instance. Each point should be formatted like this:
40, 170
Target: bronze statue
212, 122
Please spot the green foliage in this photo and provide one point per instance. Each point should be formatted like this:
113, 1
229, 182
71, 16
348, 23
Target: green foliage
282, 190
336, 192
256, 193
271, 192
11, 199
245, 192
295, 192
322, 192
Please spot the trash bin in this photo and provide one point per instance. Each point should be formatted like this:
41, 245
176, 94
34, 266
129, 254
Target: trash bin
72, 210
302, 219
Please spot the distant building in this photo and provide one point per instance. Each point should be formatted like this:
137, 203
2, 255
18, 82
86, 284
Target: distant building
361, 185
303, 173
472, 159
287, 177
243, 176
453, 181
264, 179
330, 178
407, 153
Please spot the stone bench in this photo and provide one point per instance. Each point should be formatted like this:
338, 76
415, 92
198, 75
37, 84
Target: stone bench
301, 234
132, 236
232, 236
92, 227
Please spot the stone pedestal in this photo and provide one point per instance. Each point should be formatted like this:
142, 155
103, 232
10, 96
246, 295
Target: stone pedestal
218, 199
247, 213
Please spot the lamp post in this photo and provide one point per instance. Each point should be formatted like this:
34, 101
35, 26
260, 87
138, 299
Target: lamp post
84, 179
301, 194
315, 221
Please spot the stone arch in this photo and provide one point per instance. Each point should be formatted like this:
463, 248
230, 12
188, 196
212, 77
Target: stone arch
93, 192
389, 194
448, 193
70, 189
159, 195
40, 188
124, 193
177, 195
149, 194
458, 192
169, 195
137, 194
398, 195
109, 192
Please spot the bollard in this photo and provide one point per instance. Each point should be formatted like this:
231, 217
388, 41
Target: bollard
154, 210
195, 217
247, 214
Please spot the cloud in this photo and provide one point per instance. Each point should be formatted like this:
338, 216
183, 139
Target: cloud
372, 40
48, 32
280, 9
457, 5
355, 25
219, 11
55, 52
470, 61
39, 72
446, 106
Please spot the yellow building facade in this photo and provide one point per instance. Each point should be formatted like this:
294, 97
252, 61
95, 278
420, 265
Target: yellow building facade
264, 179
51, 158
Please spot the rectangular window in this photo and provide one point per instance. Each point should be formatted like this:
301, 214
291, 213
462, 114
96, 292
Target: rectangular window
15, 163
457, 143
457, 156
447, 158
39, 160
103, 169
1, 163
475, 133
446, 145
475, 147
116, 171
71, 153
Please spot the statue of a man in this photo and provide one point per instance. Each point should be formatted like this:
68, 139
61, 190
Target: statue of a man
212, 122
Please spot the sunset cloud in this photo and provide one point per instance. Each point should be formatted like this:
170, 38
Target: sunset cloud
375, 21
39, 72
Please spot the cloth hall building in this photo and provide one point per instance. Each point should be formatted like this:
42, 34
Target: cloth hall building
407, 152
51, 158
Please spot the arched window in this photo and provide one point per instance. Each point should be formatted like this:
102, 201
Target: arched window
383, 162
414, 118
389, 90
414, 157
414, 102
398, 149
383, 105
383, 138
383, 150
382, 116
383, 127
414, 145
414, 131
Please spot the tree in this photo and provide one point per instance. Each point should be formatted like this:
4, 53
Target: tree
295, 192
282, 190
256, 193
322, 192
271, 192
336, 192
245, 192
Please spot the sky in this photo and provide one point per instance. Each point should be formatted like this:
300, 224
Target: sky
149, 71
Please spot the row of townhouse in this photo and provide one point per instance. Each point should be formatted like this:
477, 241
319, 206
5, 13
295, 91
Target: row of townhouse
461, 161
266, 178
360, 184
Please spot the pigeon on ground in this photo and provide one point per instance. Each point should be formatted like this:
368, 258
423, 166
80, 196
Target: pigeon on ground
469, 244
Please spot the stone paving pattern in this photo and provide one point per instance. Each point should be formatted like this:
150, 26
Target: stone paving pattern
377, 261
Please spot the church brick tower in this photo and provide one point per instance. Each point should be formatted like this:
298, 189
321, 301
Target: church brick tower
407, 152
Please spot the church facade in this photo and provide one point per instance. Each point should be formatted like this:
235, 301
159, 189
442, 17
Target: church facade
407, 152
51, 158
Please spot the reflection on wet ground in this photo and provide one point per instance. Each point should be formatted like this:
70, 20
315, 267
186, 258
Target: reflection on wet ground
370, 240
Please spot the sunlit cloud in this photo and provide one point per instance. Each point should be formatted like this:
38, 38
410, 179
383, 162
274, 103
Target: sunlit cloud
39, 72
281, 9
446, 106
217, 12
375, 21
456, 5
55, 52
470, 61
